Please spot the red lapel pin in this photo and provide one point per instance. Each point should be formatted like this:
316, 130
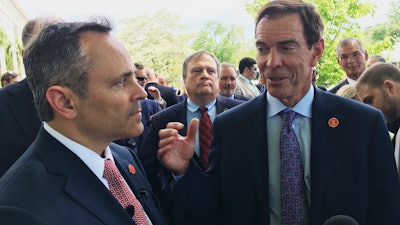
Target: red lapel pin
333, 122
132, 169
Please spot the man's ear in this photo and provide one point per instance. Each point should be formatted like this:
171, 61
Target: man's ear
61, 100
390, 86
317, 51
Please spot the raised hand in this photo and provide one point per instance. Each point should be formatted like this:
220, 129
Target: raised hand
175, 151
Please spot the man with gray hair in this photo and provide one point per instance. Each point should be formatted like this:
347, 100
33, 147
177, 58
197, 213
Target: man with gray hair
351, 56
18, 117
227, 82
374, 59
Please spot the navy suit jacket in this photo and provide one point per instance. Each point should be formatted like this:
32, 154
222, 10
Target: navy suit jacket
19, 123
240, 97
167, 93
337, 87
50, 183
159, 177
353, 170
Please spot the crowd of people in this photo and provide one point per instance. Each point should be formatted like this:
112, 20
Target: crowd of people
92, 137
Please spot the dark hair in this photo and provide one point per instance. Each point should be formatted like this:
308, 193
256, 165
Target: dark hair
312, 22
246, 62
196, 54
139, 66
7, 76
55, 58
375, 75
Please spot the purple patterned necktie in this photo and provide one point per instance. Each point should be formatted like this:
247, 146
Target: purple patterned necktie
294, 206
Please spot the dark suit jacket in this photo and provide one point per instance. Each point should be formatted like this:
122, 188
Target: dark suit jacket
51, 183
353, 170
19, 123
158, 177
167, 93
240, 97
337, 87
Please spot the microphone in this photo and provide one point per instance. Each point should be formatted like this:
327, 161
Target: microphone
130, 209
341, 220
143, 193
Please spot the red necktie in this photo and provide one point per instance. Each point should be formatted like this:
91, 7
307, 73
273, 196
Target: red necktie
205, 136
119, 189
294, 205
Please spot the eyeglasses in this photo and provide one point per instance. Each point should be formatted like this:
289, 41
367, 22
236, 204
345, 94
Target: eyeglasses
354, 55
141, 78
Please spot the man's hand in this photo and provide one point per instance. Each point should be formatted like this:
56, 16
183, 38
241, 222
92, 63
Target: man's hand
176, 151
155, 93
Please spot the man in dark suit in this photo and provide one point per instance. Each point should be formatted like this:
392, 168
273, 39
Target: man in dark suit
87, 96
338, 172
352, 57
167, 93
18, 117
200, 76
227, 82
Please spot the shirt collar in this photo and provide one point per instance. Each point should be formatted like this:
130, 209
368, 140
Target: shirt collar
351, 81
193, 107
303, 107
94, 161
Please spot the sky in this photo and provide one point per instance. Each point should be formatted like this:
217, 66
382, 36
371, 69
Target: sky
193, 13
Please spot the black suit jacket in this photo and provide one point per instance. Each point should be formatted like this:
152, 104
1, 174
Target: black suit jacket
240, 97
51, 183
19, 123
353, 170
167, 93
337, 87
159, 177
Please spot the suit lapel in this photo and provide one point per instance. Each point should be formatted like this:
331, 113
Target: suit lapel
80, 183
257, 148
322, 149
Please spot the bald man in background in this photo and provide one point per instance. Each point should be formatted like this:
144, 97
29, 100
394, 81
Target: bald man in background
18, 117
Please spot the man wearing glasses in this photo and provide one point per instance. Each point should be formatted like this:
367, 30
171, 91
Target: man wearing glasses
248, 71
352, 57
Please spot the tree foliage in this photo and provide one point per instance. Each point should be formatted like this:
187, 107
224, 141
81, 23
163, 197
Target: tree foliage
387, 33
226, 42
157, 42
340, 20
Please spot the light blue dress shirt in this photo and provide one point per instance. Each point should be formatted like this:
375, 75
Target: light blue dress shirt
192, 111
302, 128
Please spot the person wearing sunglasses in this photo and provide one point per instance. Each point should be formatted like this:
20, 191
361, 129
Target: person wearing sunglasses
248, 71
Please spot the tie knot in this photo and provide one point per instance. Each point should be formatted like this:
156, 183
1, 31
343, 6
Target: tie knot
203, 110
287, 116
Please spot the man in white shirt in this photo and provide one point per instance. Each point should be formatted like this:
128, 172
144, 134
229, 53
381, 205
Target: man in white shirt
86, 94
352, 57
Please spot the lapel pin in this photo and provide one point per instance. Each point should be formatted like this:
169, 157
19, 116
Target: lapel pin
132, 169
333, 122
